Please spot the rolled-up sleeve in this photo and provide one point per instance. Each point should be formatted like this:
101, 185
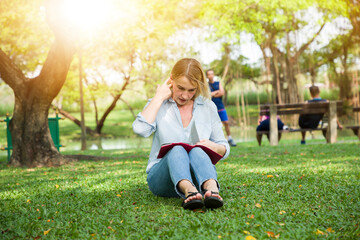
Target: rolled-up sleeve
142, 127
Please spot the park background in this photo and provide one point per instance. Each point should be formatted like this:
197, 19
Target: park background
115, 53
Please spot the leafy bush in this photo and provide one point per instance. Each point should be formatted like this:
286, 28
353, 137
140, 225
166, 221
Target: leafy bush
250, 96
6, 109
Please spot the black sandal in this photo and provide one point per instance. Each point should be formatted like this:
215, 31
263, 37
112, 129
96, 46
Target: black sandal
193, 204
212, 202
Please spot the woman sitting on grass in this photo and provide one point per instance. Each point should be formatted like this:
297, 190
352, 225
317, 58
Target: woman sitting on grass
180, 110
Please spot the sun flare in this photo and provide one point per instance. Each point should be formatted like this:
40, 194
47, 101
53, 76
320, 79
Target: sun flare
87, 14
91, 15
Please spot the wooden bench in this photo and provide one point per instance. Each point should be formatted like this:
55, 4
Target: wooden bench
332, 108
355, 128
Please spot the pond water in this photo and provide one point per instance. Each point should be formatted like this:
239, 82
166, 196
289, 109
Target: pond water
239, 134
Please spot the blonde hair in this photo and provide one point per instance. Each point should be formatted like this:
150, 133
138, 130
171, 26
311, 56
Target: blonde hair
192, 70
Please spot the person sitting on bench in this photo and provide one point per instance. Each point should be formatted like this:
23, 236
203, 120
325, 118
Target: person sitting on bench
264, 125
311, 121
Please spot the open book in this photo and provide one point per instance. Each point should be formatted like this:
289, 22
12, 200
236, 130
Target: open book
214, 156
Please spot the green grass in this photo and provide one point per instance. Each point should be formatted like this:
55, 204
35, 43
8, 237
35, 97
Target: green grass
298, 192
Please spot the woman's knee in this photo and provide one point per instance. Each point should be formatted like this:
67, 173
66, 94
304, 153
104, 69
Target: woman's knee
197, 150
176, 153
178, 150
198, 153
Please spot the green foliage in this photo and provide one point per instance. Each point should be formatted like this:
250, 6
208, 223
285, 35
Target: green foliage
256, 17
306, 192
332, 94
4, 109
130, 51
24, 33
238, 68
277, 27
6, 99
250, 96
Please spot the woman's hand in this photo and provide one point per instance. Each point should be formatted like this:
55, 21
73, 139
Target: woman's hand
219, 148
163, 91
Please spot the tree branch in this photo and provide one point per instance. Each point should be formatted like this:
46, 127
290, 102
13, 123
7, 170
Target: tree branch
129, 107
56, 66
260, 82
305, 45
10, 73
75, 120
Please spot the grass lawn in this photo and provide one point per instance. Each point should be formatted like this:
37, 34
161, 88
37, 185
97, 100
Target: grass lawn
284, 192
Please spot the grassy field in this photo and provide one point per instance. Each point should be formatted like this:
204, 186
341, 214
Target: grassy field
284, 192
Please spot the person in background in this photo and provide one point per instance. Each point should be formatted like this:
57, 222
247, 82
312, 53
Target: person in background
181, 106
311, 121
264, 125
217, 91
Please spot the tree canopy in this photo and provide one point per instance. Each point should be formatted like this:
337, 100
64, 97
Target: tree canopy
128, 47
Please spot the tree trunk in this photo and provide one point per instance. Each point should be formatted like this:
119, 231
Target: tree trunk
31, 139
129, 107
277, 74
238, 105
292, 83
283, 64
345, 87
82, 111
243, 108
268, 72
345, 82
227, 50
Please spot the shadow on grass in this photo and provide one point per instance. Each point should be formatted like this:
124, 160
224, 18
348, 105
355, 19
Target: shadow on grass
292, 190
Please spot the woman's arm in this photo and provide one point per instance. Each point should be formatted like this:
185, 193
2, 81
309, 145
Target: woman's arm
219, 148
217, 142
163, 92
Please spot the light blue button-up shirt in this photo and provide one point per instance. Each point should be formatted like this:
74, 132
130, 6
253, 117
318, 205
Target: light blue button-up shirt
168, 126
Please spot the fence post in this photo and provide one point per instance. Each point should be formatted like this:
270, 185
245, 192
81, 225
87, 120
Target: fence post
273, 126
332, 127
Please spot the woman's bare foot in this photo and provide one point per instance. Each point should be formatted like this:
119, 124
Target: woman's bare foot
198, 196
188, 188
193, 199
211, 186
209, 193
212, 199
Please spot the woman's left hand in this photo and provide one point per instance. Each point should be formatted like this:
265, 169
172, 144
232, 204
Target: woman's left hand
213, 146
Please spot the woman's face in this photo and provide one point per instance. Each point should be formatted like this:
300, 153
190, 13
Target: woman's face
183, 91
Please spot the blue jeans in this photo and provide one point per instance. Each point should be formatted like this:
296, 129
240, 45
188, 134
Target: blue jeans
177, 165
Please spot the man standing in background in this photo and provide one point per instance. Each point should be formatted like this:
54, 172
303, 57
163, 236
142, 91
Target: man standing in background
217, 91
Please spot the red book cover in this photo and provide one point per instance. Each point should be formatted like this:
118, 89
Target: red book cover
214, 156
